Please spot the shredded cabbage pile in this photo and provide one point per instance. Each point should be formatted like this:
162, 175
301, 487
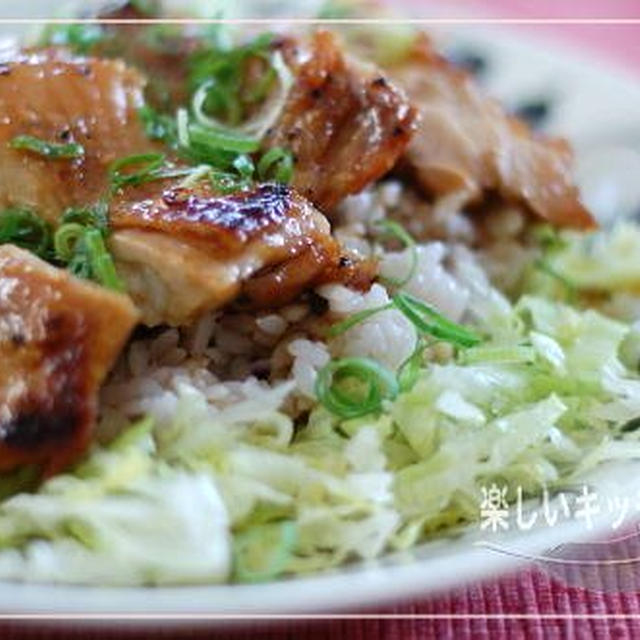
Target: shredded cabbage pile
239, 494
597, 266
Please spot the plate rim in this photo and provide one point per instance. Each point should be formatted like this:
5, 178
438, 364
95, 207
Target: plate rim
364, 585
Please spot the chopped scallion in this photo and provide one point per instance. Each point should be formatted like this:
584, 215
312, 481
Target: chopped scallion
221, 70
182, 127
423, 317
25, 229
409, 370
276, 164
102, 266
222, 101
221, 140
157, 126
96, 216
261, 89
355, 319
353, 387
53, 150
430, 322
148, 164
79, 243
66, 238
244, 166
214, 93
195, 174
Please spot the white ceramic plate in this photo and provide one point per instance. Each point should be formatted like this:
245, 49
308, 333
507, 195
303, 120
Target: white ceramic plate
597, 107
427, 569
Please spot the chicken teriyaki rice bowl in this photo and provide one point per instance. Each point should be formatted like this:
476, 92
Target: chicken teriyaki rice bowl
275, 302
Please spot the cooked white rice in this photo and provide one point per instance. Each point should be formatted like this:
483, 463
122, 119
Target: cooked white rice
233, 356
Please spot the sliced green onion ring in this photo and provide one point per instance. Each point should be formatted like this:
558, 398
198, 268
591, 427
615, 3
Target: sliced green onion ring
79, 243
53, 150
270, 112
197, 106
276, 164
379, 384
261, 89
65, 239
95, 216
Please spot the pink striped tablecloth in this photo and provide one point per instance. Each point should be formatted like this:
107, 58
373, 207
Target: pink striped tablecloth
528, 604
525, 605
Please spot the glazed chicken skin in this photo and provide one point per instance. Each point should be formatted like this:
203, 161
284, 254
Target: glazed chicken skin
183, 248
467, 147
60, 99
59, 337
180, 254
344, 122
186, 251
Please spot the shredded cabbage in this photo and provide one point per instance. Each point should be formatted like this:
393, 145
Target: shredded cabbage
602, 267
123, 518
239, 494
605, 261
